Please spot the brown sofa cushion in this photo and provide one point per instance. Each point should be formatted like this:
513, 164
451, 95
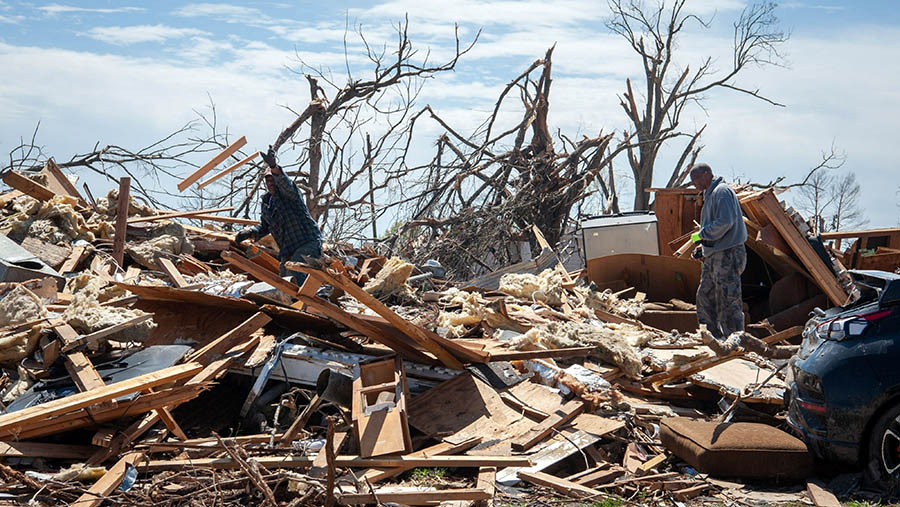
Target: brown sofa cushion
749, 450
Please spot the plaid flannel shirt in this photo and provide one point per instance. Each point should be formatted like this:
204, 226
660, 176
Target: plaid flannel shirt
286, 217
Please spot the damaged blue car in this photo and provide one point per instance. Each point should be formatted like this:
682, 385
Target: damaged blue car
844, 397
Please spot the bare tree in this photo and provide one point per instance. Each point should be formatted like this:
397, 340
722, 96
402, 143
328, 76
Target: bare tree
816, 198
846, 212
473, 204
654, 33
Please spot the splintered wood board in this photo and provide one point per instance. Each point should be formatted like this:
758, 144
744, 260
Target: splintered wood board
730, 378
587, 429
465, 407
191, 297
662, 359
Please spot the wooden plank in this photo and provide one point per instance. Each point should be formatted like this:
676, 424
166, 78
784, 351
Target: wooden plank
426, 339
25, 185
667, 207
414, 497
177, 214
226, 219
821, 496
227, 170
94, 496
191, 297
300, 422
604, 475
548, 426
823, 275
487, 482
82, 372
374, 475
652, 463
213, 162
688, 369
64, 184
344, 461
122, 204
259, 256
102, 333
208, 352
52, 255
261, 274
166, 417
83, 418
866, 233
9, 423
168, 267
563, 486
519, 355
42, 450
74, 260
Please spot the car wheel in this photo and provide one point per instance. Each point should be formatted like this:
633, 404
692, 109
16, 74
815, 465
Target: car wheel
884, 448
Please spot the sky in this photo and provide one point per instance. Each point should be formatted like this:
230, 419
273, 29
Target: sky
128, 73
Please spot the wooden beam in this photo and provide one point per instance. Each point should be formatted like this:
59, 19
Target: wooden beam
42, 450
102, 333
226, 219
54, 172
177, 214
822, 273
261, 274
545, 428
859, 234
430, 341
301, 420
227, 170
220, 345
414, 497
213, 162
563, 486
344, 461
78, 254
82, 372
374, 475
487, 482
27, 186
168, 267
121, 220
19, 420
97, 493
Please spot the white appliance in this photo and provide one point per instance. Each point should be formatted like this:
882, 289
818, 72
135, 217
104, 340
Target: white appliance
620, 234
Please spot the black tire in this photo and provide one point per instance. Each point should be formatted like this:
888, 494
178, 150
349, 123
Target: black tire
883, 457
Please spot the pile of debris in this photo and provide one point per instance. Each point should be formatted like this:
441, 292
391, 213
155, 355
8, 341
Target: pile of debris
147, 361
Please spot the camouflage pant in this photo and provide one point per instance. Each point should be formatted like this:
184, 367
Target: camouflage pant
719, 303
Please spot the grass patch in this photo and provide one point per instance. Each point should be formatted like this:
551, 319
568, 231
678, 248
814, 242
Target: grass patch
427, 475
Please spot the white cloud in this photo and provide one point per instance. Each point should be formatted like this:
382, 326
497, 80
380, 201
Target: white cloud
126, 35
54, 9
222, 12
11, 20
805, 5
526, 13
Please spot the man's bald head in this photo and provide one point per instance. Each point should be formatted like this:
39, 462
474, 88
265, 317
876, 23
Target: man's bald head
701, 176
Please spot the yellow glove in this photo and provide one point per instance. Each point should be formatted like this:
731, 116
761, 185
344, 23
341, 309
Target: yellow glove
695, 237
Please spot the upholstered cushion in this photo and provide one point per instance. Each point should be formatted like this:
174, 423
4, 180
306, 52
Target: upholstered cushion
750, 450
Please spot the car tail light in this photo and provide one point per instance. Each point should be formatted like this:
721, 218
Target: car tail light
812, 407
843, 327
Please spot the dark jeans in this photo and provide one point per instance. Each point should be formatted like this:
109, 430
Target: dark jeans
308, 249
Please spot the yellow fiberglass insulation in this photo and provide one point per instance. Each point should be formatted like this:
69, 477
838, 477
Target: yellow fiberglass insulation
614, 347
19, 306
86, 315
475, 309
609, 302
546, 287
55, 221
94, 286
391, 279
109, 205
167, 240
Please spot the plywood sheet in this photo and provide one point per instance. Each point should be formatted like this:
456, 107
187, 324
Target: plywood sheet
189, 296
730, 378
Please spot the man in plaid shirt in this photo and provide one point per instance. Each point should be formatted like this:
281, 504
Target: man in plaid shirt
286, 217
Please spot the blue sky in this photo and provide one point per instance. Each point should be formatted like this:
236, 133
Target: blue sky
128, 73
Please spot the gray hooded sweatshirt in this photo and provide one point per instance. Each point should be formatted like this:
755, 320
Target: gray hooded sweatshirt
721, 221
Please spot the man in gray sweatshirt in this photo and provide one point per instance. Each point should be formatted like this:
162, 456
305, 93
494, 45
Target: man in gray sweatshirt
722, 236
